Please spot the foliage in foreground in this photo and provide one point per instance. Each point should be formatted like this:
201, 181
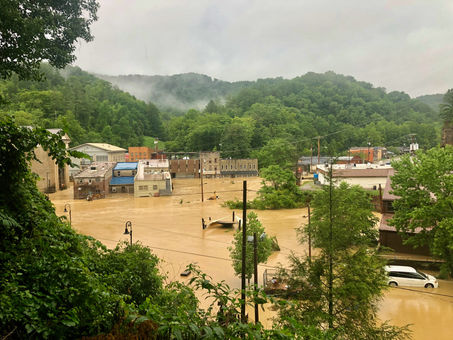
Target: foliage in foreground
424, 185
339, 289
264, 246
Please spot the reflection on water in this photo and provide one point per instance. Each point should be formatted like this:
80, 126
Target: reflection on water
171, 227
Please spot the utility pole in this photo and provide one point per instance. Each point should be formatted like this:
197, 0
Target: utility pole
255, 265
244, 246
309, 232
330, 281
201, 176
311, 156
319, 148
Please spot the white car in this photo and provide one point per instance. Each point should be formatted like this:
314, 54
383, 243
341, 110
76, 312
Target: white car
408, 276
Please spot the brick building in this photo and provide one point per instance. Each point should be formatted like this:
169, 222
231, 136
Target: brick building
185, 168
143, 152
239, 167
211, 163
93, 181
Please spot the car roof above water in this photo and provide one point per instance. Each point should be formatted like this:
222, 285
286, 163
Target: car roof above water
400, 269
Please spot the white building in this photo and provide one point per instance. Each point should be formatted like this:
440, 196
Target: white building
152, 180
368, 176
99, 152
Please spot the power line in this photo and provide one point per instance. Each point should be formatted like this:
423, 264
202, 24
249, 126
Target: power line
424, 292
195, 254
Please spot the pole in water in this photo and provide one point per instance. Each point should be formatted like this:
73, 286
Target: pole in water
244, 245
255, 264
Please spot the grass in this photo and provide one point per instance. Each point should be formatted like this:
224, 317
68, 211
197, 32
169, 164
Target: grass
149, 142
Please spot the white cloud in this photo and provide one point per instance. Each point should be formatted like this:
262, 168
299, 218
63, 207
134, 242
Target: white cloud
401, 45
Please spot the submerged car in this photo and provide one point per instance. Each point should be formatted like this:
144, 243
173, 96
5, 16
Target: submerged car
408, 276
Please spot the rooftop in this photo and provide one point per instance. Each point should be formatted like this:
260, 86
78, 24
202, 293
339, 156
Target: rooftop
102, 146
96, 170
126, 166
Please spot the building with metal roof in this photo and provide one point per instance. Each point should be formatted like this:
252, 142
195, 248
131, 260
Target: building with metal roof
98, 152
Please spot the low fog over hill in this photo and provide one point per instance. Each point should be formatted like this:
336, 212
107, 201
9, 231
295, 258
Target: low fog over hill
179, 92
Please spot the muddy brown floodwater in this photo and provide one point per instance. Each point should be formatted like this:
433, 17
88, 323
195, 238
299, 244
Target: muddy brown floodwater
171, 227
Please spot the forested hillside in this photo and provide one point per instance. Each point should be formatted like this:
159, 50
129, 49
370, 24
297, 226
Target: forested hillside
289, 114
90, 109
176, 93
433, 100
253, 119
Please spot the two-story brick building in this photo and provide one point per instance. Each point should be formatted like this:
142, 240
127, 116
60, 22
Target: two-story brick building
210, 161
185, 168
239, 167
93, 181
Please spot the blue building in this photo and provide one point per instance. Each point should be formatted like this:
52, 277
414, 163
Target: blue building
123, 175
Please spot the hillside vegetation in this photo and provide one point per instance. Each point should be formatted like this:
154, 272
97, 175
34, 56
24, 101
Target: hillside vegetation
267, 119
277, 112
88, 108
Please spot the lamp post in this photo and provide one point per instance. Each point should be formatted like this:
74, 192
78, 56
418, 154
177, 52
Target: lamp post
128, 229
67, 208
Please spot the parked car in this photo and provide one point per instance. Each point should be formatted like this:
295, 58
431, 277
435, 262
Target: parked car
408, 276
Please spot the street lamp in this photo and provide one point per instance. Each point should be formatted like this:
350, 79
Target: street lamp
67, 207
128, 229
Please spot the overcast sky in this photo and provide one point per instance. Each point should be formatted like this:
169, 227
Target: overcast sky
404, 45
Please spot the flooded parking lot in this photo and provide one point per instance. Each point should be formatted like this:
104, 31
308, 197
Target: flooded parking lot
171, 227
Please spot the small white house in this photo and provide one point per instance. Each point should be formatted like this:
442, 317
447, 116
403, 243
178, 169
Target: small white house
368, 176
99, 152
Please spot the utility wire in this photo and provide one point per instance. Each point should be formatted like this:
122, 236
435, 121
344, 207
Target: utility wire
195, 254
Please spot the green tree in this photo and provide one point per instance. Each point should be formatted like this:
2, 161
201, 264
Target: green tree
446, 108
279, 190
42, 30
424, 185
331, 290
264, 246
277, 151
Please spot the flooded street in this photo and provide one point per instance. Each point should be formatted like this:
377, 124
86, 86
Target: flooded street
171, 227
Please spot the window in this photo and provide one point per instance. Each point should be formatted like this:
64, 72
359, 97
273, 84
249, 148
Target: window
101, 158
118, 173
80, 180
142, 187
98, 179
154, 187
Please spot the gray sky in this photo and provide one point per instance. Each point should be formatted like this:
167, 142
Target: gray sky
401, 45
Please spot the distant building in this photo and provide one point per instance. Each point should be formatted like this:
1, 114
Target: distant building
51, 176
239, 167
369, 154
99, 152
368, 176
388, 235
210, 161
123, 177
93, 181
143, 152
152, 181
154, 165
185, 168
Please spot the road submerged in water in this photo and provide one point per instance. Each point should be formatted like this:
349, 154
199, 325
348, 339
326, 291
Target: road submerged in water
171, 227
